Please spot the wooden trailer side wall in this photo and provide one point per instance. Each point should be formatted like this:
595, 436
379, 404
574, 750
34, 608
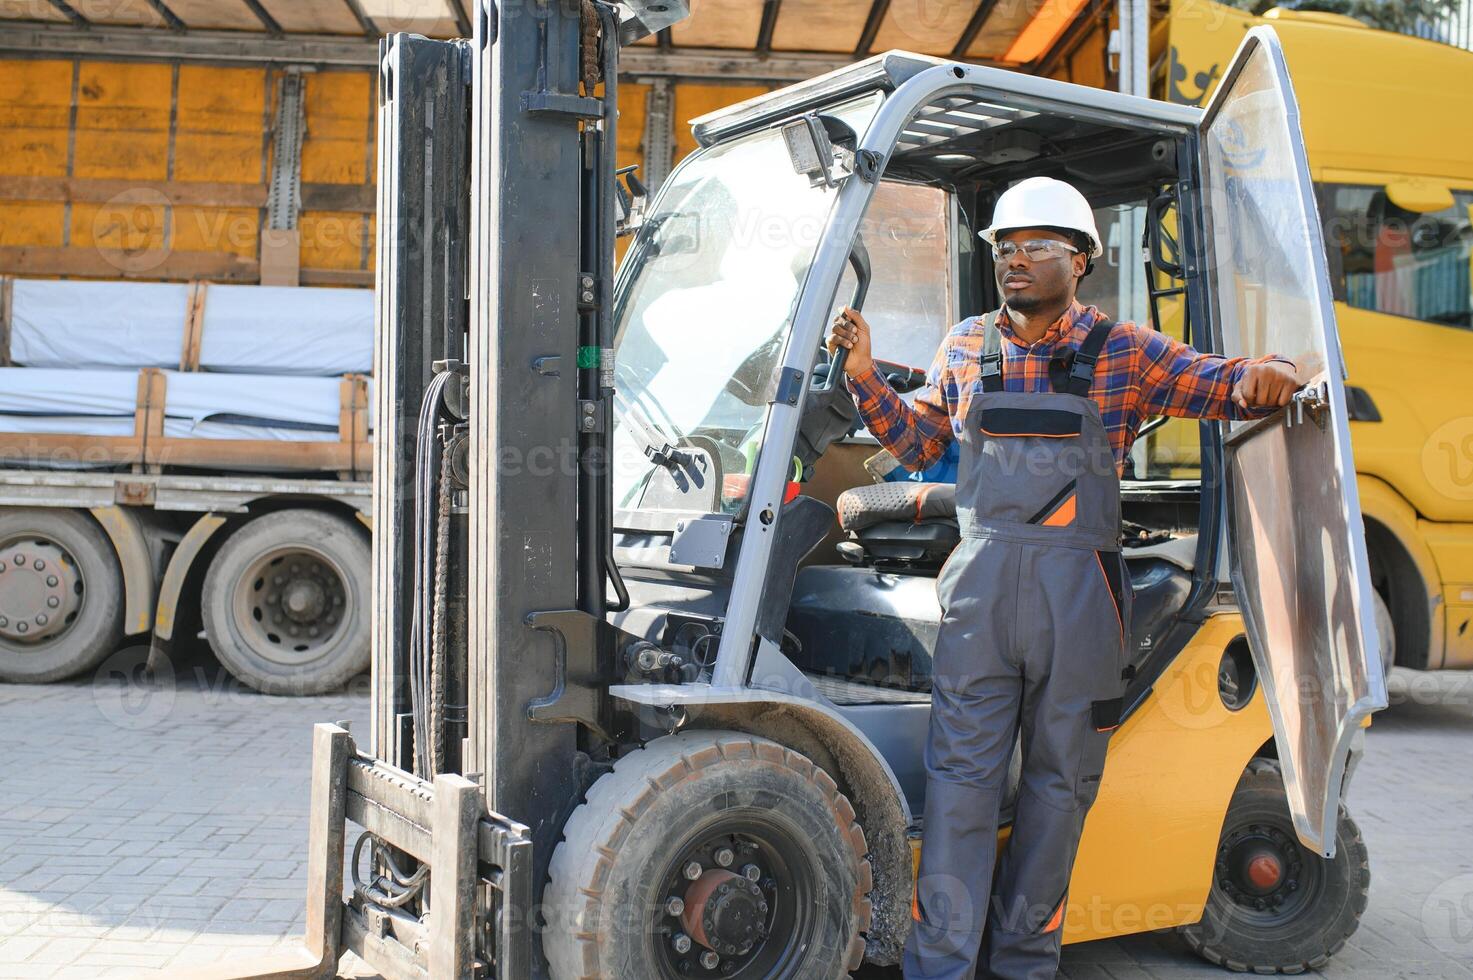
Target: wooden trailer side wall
160, 170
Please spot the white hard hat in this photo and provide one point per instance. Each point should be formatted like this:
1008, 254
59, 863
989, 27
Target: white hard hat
1042, 202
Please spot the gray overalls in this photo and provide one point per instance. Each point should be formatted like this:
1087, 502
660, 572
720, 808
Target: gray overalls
1032, 640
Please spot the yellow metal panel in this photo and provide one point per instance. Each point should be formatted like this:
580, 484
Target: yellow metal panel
34, 116
219, 129
1424, 445
122, 120
1086, 66
1145, 860
1382, 505
632, 104
697, 100
924, 26
819, 25
720, 24
31, 223
1452, 545
334, 239
233, 230
129, 227
338, 120
1415, 86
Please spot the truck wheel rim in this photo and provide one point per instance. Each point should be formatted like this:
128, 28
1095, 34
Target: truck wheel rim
1266, 875
752, 916
291, 605
41, 589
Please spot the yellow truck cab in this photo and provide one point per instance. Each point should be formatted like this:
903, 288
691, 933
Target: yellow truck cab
1392, 162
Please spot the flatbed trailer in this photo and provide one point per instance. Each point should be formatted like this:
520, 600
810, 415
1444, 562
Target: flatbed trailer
277, 566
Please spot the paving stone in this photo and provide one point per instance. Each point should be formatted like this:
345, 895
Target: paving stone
185, 842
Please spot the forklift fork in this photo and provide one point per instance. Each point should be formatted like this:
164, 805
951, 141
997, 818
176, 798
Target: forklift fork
480, 878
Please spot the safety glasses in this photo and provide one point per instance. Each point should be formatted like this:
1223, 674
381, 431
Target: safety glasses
1037, 249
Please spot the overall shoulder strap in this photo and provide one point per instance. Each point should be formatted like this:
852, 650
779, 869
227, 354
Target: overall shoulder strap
1082, 368
992, 356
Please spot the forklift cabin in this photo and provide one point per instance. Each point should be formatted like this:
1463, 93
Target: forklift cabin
652, 643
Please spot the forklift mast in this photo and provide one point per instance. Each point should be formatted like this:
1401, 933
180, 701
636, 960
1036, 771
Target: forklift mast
492, 500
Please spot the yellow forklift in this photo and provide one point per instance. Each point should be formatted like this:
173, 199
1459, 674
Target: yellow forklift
652, 645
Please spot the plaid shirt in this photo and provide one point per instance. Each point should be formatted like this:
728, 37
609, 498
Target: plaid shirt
1141, 373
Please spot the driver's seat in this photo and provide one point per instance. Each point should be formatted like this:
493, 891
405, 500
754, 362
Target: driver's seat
905, 522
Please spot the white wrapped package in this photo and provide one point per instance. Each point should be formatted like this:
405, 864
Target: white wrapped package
98, 324
244, 401
44, 391
282, 330
107, 425
287, 330
256, 397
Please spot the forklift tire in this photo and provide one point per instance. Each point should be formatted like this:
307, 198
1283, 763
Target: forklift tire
61, 595
709, 839
1275, 907
285, 602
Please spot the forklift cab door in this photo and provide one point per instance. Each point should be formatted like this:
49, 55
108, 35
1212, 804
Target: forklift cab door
1297, 548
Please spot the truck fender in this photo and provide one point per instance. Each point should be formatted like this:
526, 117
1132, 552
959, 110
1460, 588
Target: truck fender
180, 563
811, 725
125, 531
1380, 503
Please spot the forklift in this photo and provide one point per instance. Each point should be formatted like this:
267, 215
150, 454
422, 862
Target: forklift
651, 644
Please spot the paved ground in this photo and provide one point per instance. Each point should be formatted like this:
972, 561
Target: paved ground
142, 828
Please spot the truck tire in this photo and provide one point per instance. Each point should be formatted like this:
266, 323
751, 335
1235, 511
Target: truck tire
285, 602
61, 595
1275, 907
783, 882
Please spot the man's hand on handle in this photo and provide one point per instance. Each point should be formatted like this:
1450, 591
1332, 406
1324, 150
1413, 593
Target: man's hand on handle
852, 333
1268, 385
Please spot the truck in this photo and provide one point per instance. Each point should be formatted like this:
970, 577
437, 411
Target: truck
142, 504
1396, 205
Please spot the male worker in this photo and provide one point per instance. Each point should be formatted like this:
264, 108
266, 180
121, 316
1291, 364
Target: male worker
1044, 398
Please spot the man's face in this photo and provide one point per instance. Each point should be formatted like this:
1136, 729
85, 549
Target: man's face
1027, 285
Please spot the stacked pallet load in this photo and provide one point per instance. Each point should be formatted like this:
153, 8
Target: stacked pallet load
163, 377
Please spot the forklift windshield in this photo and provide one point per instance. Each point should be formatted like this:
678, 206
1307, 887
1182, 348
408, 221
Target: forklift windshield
704, 307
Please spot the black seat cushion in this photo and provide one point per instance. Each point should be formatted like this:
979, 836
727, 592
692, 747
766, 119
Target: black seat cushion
864, 507
909, 523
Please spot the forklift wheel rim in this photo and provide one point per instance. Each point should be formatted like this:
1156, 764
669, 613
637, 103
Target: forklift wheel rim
788, 883
1242, 857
